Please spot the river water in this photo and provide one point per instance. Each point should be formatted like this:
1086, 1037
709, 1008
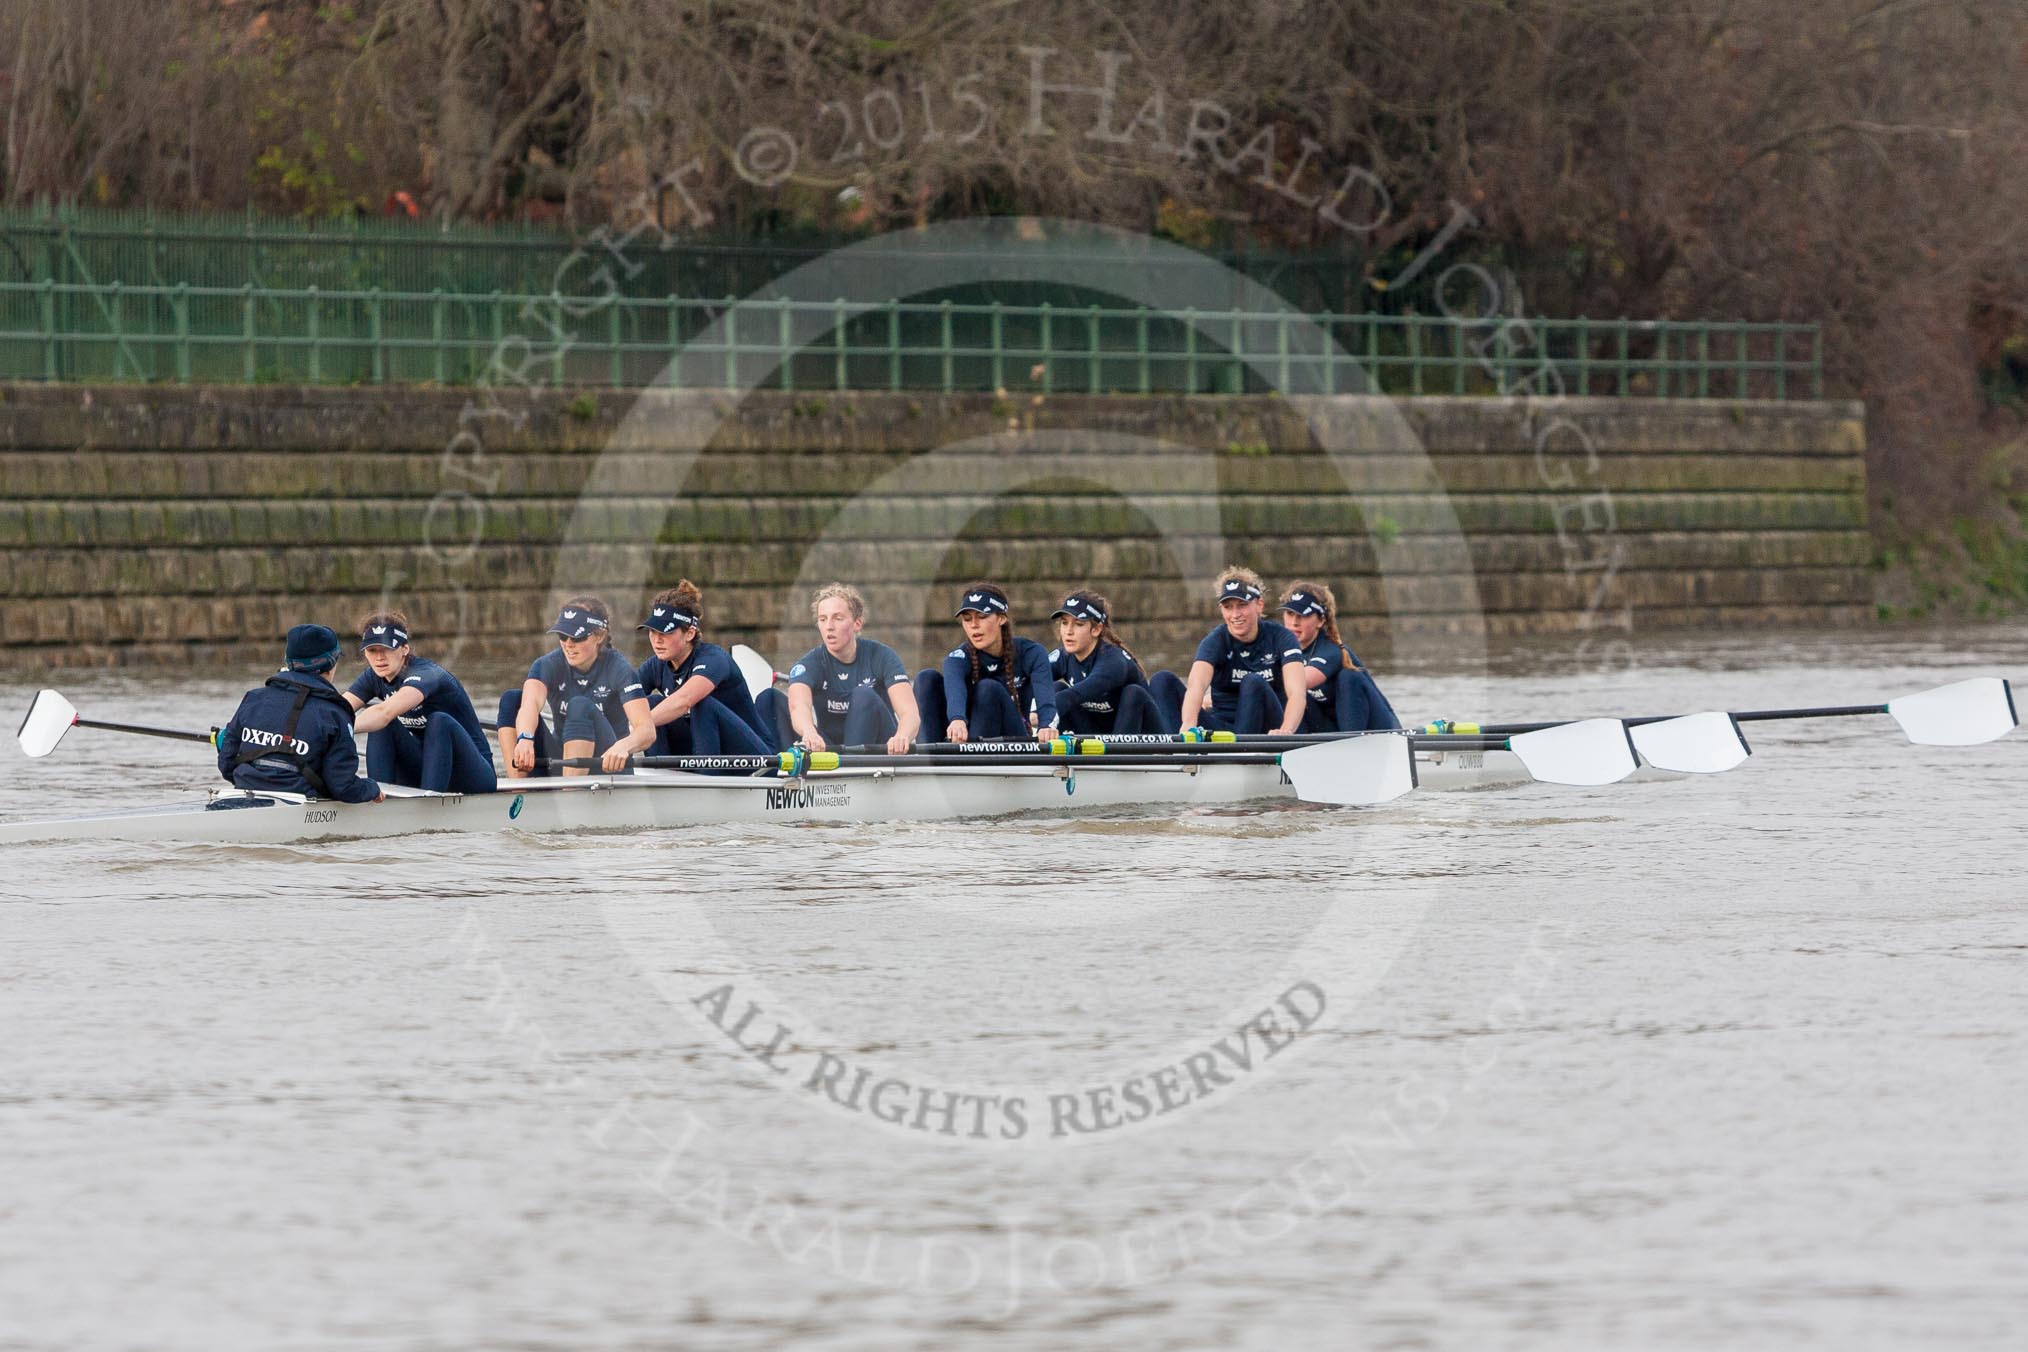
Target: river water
1738, 1061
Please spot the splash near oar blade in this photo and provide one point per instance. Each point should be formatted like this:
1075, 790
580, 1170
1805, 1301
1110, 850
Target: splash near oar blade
1964, 714
49, 718
1352, 772
1595, 751
1695, 744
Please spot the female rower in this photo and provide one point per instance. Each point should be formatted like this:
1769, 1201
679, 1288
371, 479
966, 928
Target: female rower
847, 690
1100, 685
590, 691
1342, 695
1248, 673
697, 699
421, 730
989, 682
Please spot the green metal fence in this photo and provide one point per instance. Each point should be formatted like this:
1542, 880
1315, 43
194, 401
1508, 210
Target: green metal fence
89, 246
246, 334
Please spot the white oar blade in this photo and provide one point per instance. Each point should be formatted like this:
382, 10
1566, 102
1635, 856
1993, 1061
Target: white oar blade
757, 671
1963, 714
1695, 744
1353, 771
1595, 751
49, 718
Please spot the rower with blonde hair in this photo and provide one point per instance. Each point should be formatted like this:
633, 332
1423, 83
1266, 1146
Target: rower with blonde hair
1342, 694
1248, 673
848, 690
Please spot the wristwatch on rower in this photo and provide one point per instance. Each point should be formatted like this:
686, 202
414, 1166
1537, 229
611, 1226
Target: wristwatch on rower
525, 737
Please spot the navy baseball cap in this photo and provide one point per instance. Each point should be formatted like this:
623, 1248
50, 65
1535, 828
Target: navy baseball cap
984, 602
311, 647
1080, 609
1302, 603
573, 623
667, 620
1237, 589
382, 636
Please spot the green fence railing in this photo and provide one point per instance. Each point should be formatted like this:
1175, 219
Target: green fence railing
246, 334
69, 244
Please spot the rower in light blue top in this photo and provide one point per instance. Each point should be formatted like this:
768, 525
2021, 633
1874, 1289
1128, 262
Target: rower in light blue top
590, 691
990, 685
697, 699
1100, 686
421, 730
1342, 694
846, 691
1248, 673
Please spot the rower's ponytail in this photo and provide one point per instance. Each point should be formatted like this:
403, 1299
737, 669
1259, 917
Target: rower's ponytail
1107, 634
1330, 603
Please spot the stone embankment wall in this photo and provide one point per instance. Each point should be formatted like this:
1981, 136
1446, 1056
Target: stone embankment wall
143, 524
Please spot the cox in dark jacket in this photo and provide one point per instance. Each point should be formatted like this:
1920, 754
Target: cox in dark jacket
294, 734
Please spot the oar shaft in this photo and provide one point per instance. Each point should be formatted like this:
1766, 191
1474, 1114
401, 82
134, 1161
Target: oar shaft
175, 734
831, 760
1163, 744
1754, 716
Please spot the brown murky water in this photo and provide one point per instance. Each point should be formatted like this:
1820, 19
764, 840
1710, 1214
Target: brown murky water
1735, 1061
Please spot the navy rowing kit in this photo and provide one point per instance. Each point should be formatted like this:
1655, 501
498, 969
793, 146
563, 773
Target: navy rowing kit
294, 735
851, 698
1265, 654
725, 722
974, 686
584, 706
1103, 692
439, 744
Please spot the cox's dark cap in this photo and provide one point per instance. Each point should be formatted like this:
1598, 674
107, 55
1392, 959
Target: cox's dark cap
382, 636
667, 620
1302, 603
573, 623
1237, 589
311, 647
1080, 609
984, 602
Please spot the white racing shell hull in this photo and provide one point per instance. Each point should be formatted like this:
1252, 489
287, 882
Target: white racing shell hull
658, 799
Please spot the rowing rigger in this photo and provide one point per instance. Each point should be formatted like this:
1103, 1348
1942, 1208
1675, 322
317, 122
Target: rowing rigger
983, 780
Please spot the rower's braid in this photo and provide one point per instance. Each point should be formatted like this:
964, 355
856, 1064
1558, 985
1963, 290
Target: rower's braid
1013, 676
1007, 660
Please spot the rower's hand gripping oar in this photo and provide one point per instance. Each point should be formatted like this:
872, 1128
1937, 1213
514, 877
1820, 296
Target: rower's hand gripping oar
50, 716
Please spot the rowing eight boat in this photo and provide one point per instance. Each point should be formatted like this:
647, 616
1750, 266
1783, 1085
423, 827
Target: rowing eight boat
1358, 769
650, 799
